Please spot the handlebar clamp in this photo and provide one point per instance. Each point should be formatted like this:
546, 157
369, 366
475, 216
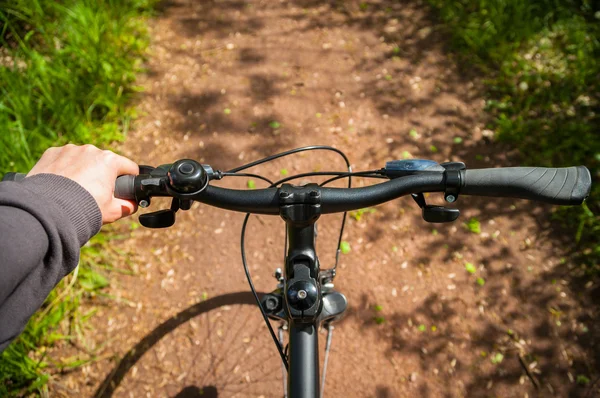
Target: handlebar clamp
453, 180
300, 205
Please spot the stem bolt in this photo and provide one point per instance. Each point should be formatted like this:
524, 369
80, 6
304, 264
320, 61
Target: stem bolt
271, 303
144, 203
450, 198
301, 294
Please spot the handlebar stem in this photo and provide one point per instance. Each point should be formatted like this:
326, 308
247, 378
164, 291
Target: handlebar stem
300, 207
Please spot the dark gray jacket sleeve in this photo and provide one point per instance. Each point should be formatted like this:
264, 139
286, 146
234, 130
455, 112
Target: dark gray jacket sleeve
44, 221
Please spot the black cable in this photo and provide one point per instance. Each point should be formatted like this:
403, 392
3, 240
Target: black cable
262, 311
230, 174
243, 238
358, 174
302, 149
367, 174
247, 271
291, 152
243, 234
341, 174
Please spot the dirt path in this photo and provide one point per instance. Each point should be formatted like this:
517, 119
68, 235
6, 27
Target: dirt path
231, 81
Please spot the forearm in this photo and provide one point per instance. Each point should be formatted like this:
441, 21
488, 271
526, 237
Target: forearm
44, 221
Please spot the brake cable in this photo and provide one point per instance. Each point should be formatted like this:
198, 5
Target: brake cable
235, 172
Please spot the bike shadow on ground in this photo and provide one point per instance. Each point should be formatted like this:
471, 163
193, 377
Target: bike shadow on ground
198, 392
114, 378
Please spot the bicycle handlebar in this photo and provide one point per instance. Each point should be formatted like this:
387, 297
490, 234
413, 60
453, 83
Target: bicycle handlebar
561, 186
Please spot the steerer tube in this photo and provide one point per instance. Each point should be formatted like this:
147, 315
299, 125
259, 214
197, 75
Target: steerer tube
303, 376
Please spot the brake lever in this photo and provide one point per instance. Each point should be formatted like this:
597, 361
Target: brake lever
163, 218
435, 214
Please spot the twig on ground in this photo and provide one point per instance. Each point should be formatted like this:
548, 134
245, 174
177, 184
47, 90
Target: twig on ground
529, 374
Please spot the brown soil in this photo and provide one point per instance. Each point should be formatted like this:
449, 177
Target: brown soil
360, 79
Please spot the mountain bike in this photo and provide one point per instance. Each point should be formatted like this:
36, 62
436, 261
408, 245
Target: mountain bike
305, 299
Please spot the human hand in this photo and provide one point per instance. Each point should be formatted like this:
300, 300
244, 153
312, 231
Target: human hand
95, 170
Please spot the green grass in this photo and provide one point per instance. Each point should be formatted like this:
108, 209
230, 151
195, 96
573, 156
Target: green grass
541, 63
67, 73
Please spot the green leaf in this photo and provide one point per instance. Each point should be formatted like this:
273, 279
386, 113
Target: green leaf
379, 320
396, 50
582, 380
227, 111
457, 140
318, 115
357, 214
378, 308
474, 226
275, 124
413, 133
388, 77
471, 269
480, 281
497, 358
433, 148
421, 328
251, 184
283, 172
406, 155
204, 296
345, 247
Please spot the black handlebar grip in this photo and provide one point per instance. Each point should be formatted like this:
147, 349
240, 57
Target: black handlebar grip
559, 186
125, 187
13, 176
